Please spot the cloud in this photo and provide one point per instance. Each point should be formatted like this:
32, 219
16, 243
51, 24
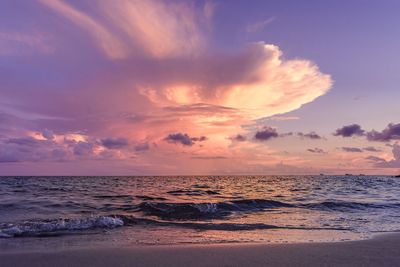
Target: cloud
60, 148
27, 149
163, 29
266, 134
257, 82
372, 149
157, 68
310, 135
83, 148
9, 154
200, 139
24, 141
160, 29
394, 163
49, 135
104, 38
283, 118
352, 149
349, 130
208, 157
286, 134
375, 159
258, 26
116, 143
183, 139
391, 132
316, 150
142, 147
238, 138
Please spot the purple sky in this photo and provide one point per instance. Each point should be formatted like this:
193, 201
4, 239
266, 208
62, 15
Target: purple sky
199, 87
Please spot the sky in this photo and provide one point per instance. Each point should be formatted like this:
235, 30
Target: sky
183, 87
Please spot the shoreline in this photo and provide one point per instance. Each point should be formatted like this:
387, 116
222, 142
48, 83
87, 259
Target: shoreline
381, 250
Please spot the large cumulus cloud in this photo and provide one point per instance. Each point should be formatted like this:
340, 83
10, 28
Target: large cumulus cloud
256, 81
127, 74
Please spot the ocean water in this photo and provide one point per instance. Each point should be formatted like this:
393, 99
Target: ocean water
197, 209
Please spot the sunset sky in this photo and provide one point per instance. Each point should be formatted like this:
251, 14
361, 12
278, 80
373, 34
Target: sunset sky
97, 87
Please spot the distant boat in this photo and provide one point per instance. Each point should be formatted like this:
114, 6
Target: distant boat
348, 174
397, 176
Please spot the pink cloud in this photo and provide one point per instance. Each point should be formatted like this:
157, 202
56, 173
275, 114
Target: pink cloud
143, 74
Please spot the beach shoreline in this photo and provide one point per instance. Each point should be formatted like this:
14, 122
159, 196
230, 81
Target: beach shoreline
381, 250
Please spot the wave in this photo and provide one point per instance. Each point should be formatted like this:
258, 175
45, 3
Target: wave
348, 206
147, 198
192, 192
130, 220
113, 196
195, 211
58, 226
220, 210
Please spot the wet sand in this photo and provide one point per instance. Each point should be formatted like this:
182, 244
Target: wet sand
383, 250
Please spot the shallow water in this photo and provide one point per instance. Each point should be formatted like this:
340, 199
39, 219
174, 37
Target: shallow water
180, 210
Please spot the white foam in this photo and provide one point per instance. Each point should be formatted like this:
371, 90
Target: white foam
207, 208
30, 228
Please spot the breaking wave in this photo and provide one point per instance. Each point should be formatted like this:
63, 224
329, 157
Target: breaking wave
195, 211
58, 226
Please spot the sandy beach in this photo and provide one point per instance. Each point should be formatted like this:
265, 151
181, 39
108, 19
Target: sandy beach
383, 250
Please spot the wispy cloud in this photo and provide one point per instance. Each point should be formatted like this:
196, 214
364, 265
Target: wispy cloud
316, 150
352, 149
259, 26
104, 38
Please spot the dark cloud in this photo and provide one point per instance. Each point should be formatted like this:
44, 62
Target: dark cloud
310, 135
83, 148
266, 134
394, 163
286, 134
8, 156
349, 130
184, 139
24, 141
375, 159
49, 135
200, 139
59, 154
142, 147
352, 149
316, 150
29, 149
114, 143
23, 149
372, 149
238, 138
208, 157
391, 132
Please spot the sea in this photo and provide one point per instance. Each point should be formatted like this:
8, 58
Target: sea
179, 210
